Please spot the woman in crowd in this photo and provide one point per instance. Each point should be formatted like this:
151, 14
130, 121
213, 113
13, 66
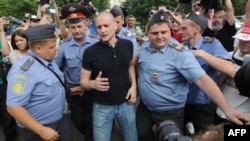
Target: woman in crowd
19, 44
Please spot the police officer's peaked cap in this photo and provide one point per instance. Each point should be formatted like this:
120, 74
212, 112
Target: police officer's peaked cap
38, 32
159, 16
74, 12
242, 78
199, 19
116, 11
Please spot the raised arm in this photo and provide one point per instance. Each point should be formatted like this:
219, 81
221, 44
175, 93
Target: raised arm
247, 11
229, 12
4, 46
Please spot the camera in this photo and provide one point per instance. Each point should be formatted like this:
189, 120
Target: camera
152, 12
167, 130
86, 4
50, 10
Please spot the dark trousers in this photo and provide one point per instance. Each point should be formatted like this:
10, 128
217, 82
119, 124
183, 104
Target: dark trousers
62, 127
7, 121
201, 115
81, 113
146, 119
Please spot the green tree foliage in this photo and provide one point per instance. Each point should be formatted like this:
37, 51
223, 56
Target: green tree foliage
17, 8
141, 8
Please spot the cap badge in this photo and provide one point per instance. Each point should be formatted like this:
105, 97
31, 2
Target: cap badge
73, 15
71, 9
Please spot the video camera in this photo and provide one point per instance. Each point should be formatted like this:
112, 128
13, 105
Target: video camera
167, 130
91, 8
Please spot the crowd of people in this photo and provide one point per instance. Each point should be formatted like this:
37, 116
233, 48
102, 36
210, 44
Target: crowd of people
184, 68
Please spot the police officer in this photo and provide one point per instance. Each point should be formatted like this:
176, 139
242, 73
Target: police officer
165, 70
69, 58
36, 93
122, 32
213, 58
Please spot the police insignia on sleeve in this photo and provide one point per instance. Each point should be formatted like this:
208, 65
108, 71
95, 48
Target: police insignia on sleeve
18, 87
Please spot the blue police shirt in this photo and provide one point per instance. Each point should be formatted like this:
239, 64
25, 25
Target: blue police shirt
215, 48
126, 34
37, 89
70, 54
164, 76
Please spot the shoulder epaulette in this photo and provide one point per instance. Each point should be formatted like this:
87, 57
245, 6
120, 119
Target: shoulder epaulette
178, 47
26, 65
93, 36
208, 40
127, 33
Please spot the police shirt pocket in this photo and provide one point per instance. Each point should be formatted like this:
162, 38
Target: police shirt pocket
50, 86
73, 61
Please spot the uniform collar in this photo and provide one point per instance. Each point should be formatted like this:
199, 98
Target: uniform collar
197, 45
119, 34
46, 63
87, 40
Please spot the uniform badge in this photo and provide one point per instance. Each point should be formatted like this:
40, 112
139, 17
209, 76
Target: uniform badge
155, 76
18, 88
72, 9
73, 15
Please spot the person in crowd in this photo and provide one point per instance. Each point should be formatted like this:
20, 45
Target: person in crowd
213, 58
175, 25
7, 121
121, 32
228, 86
196, 5
69, 59
30, 20
19, 43
108, 72
34, 84
223, 26
165, 69
135, 30
44, 12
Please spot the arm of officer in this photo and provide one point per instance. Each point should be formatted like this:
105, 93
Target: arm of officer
100, 84
132, 90
21, 115
209, 87
229, 12
221, 65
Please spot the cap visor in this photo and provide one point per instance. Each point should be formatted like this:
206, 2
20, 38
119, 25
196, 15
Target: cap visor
242, 36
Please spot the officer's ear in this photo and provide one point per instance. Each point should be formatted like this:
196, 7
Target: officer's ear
115, 25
